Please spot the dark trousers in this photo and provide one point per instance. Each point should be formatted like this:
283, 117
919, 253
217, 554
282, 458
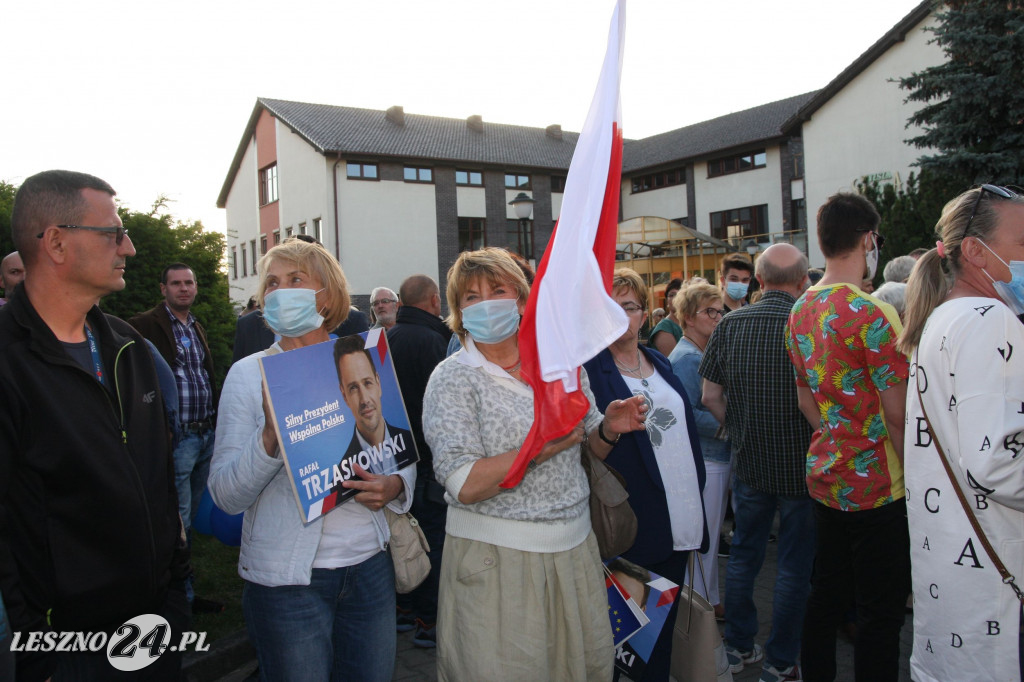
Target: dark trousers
430, 509
863, 558
91, 666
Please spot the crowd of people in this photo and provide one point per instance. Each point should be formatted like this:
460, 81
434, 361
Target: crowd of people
874, 436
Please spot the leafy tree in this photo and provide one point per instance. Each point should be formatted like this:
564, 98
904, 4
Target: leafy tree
973, 113
7, 192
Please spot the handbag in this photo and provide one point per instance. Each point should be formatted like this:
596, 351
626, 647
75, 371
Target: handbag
698, 652
409, 549
611, 517
1003, 572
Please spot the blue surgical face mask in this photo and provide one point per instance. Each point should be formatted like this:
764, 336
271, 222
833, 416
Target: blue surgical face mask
1011, 292
737, 291
292, 312
491, 321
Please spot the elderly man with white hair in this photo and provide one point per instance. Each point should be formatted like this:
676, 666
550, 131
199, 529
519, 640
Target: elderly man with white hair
384, 303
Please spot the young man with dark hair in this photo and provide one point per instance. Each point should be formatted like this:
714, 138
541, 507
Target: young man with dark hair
90, 535
734, 277
851, 383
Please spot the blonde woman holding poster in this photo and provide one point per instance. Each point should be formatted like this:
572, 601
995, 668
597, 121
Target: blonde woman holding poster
319, 598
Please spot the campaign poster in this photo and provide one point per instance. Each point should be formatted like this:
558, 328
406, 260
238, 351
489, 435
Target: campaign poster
337, 404
654, 596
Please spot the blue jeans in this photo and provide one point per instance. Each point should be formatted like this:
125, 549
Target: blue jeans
754, 512
339, 627
191, 469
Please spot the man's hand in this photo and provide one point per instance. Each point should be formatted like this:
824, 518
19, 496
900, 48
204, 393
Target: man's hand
376, 490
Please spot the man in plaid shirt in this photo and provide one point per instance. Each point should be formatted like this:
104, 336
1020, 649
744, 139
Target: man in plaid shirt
748, 386
181, 340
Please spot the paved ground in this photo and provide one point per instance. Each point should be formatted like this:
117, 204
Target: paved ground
418, 665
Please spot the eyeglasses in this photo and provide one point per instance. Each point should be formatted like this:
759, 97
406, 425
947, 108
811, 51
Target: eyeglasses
712, 313
879, 238
383, 301
992, 189
632, 308
119, 232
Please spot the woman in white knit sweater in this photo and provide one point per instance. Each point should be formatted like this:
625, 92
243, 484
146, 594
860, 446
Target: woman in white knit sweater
522, 591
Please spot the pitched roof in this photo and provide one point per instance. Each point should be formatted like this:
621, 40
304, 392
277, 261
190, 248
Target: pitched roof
353, 132
751, 126
892, 37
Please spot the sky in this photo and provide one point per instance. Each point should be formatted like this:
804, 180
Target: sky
154, 97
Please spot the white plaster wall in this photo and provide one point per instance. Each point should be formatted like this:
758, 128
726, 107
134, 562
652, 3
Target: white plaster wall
243, 222
739, 190
470, 202
666, 202
388, 232
860, 131
303, 184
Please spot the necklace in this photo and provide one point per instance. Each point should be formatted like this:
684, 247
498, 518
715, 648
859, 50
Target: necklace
695, 343
512, 368
636, 371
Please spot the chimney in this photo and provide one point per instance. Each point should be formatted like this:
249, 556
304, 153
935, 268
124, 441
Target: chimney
554, 131
475, 122
396, 115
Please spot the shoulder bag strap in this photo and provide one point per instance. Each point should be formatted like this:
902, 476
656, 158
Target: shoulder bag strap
1007, 577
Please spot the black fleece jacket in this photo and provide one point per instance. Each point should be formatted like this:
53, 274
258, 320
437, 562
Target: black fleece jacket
89, 527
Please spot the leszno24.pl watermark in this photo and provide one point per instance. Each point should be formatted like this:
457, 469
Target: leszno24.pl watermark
134, 645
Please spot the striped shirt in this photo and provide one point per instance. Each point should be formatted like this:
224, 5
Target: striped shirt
195, 393
747, 356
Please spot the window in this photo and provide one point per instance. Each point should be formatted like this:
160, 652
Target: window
798, 214
263, 244
417, 174
737, 164
520, 233
318, 229
557, 183
361, 171
472, 178
288, 232
472, 234
268, 185
244, 262
666, 178
737, 224
302, 228
234, 262
513, 181
277, 237
255, 256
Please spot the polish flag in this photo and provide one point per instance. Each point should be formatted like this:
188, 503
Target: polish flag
570, 316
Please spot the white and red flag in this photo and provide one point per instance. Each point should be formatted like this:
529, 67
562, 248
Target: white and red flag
570, 316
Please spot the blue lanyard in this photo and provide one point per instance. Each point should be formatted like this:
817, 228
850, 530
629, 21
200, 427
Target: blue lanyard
94, 349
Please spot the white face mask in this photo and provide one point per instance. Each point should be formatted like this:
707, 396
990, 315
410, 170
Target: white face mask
872, 258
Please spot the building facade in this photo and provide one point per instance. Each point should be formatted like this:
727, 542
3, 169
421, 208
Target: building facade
393, 194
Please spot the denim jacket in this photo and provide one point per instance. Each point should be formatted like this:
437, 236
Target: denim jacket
685, 359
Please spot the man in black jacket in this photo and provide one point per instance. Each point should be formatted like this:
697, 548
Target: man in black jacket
418, 341
89, 530
181, 340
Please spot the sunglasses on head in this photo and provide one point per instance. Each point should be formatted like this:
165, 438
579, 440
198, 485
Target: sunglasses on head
991, 189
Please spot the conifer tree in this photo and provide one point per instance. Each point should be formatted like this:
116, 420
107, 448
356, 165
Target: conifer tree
973, 113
